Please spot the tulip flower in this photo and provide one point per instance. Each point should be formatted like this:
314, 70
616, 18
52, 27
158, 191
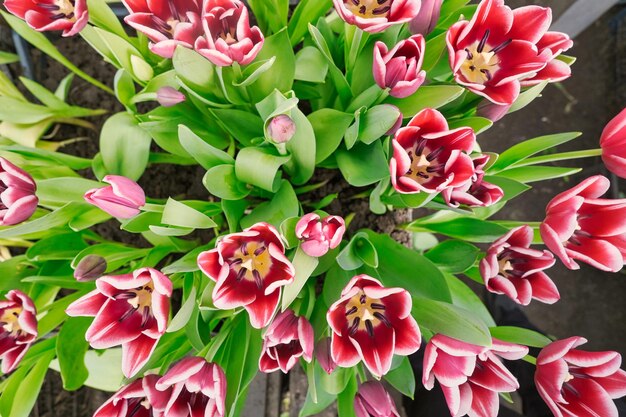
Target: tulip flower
512, 268
90, 268
575, 382
477, 192
70, 16
287, 339
318, 235
427, 18
373, 400
122, 199
470, 376
372, 323
17, 194
198, 388
249, 269
613, 144
140, 398
376, 15
228, 36
430, 158
168, 96
400, 70
281, 129
556, 70
324, 356
580, 226
18, 328
166, 23
496, 49
491, 111
130, 310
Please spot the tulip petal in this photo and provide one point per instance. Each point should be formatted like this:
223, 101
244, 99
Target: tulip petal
136, 353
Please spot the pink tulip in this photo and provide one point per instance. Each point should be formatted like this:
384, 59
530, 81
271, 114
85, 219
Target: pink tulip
281, 129
197, 388
470, 376
122, 199
613, 144
496, 49
427, 18
249, 269
372, 323
18, 328
430, 158
17, 194
318, 235
556, 70
400, 70
324, 356
287, 339
477, 192
70, 16
376, 15
373, 400
168, 96
580, 226
130, 310
491, 111
512, 268
140, 398
228, 36
166, 23
579, 383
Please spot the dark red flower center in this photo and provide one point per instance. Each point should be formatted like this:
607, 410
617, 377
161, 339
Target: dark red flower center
138, 407
224, 27
365, 313
252, 262
507, 261
168, 26
482, 62
424, 162
369, 9
59, 9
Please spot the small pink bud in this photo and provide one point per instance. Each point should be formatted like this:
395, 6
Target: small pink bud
427, 18
323, 355
318, 235
122, 199
169, 96
281, 129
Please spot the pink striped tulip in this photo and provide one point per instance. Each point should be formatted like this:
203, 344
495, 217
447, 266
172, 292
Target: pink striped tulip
470, 376
249, 269
130, 310
512, 268
372, 323
318, 235
400, 69
373, 400
140, 398
376, 15
287, 339
556, 70
122, 199
17, 194
477, 192
579, 383
580, 226
70, 16
18, 328
613, 144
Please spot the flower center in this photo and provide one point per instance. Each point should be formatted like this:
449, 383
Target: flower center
424, 163
364, 313
369, 9
59, 9
140, 300
252, 262
482, 63
10, 320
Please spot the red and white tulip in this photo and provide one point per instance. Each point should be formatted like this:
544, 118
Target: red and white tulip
400, 69
70, 16
319, 235
18, 328
17, 194
287, 339
377, 15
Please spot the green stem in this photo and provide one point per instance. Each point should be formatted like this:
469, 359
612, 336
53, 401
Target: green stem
530, 359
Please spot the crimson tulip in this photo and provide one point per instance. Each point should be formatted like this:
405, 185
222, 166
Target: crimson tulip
372, 323
400, 69
613, 144
429, 157
470, 376
318, 235
140, 398
130, 310
249, 269
70, 16
17, 194
496, 49
579, 383
18, 328
287, 339
512, 268
376, 15
123, 198
477, 192
556, 70
373, 400
580, 226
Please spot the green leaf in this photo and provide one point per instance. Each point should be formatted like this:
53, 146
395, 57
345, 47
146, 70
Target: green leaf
116, 255
304, 265
43, 94
450, 320
363, 164
402, 378
376, 122
221, 181
71, 350
478, 124
529, 148
520, 336
62, 190
311, 65
105, 369
56, 247
464, 228
306, 11
510, 187
464, 297
281, 75
183, 315
537, 173
8, 58
453, 256
282, 206
243, 125
429, 96
338, 77
124, 146
20, 402
329, 126
526, 97
260, 167
57, 218
181, 215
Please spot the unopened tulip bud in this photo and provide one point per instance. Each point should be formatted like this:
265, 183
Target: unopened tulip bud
281, 129
141, 69
122, 199
169, 96
323, 355
18, 199
427, 18
90, 268
492, 111
373, 400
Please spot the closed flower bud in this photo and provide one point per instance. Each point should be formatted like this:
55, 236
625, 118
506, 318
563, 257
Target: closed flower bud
122, 199
491, 111
141, 69
90, 268
318, 235
17, 197
400, 69
281, 129
427, 18
373, 400
169, 96
613, 144
323, 355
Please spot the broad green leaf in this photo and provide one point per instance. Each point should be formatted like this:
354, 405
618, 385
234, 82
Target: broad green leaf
242, 125
221, 181
329, 126
363, 164
57, 218
464, 297
453, 256
464, 228
520, 336
282, 206
105, 369
57, 247
124, 146
19, 402
184, 314
510, 187
304, 265
338, 77
305, 12
281, 75
537, 173
71, 350
311, 65
46, 97
260, 167
62, 190
429, 96
181, 215
254, 71
101, 15
116, 255
376, 122
402, 378
526, 97
478, 124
